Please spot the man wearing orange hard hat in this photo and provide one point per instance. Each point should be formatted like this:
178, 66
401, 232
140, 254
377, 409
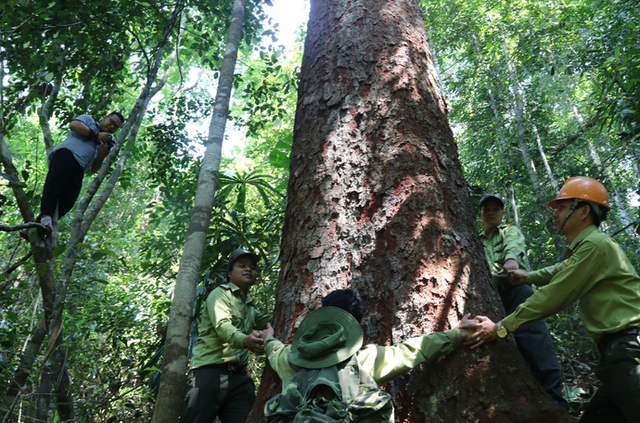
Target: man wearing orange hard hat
600, 277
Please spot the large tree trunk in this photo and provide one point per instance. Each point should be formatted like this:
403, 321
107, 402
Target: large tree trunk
377, 202
174, 366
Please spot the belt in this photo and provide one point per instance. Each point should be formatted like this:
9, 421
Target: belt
607, 338
229, 368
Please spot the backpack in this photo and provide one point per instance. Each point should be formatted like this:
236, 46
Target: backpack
341, 393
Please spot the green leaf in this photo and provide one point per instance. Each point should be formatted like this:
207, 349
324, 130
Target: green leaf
13, 181
284, 143
102, 253
279, 159
241, 200
7, 338
60, 248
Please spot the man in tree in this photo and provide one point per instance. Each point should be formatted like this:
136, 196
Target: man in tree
326, 352
600, 276
505, 250
218, 385
82, 151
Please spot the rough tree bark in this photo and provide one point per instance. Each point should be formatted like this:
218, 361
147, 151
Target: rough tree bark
377, 202
174, 366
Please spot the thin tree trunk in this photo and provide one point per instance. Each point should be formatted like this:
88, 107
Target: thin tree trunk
506, 154
377, 202
44, 395
54, 296
616, 201
545, 162
82, 221
618, 204
174, 364
518, 105
27, 358
45, 112
9, 168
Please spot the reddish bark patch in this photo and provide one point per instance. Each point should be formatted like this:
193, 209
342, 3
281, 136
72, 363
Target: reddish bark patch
370, 209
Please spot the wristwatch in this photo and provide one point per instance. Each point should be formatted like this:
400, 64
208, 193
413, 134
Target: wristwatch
502, 332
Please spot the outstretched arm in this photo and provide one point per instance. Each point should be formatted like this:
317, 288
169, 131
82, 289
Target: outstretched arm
386, 362
219, 305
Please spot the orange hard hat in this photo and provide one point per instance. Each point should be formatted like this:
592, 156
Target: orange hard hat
582, 188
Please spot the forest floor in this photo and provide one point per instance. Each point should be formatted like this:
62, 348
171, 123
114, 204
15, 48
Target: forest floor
580, 382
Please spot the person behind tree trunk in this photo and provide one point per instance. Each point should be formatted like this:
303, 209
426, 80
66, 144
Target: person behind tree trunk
505, 250
599, 275
217, 384
82, 151
326, 351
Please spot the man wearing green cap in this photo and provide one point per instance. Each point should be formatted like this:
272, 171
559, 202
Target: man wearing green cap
218, 385
598, 276
327, 344
505, 251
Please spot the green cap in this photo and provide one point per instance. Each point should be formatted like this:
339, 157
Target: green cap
488, 197
241, 252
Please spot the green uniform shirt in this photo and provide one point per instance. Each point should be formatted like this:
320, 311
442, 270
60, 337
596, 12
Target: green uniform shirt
505, 242
228, 316
599, 275
382, 363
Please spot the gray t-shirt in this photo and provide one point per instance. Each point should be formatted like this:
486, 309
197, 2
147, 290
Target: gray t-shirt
84, 150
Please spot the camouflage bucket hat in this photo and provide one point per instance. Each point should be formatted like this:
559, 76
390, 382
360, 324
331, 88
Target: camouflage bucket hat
326, 337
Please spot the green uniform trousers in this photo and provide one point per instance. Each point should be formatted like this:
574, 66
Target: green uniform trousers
535, 345
618, 398
214, 392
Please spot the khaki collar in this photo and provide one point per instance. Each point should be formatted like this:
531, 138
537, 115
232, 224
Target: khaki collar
582, 235
236, 290
483, 234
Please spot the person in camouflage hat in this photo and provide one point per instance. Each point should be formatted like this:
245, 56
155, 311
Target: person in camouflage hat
326, 374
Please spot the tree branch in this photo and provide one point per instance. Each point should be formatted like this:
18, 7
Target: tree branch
573, 137
17, 264
45, 112
18, 192
28, 225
